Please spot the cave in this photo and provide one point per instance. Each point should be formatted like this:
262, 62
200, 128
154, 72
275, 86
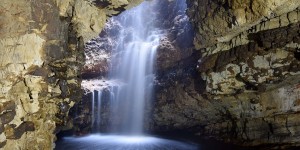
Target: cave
149, 74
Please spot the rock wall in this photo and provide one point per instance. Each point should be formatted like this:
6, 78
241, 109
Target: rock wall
241, 85
41, 45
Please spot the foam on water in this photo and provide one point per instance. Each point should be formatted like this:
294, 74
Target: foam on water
115, 142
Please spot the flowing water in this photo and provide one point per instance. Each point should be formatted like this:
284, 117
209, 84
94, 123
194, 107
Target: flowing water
135, 70
133, 66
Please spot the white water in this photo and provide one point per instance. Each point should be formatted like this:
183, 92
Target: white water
96, 110
133, 65
112, 142
136, 68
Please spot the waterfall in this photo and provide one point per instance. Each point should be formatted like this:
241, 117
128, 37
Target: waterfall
119, 100
96, 111
133, 65
93, 109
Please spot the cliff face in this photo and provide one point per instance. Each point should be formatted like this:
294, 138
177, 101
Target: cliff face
41, 57
257, 42
242, 83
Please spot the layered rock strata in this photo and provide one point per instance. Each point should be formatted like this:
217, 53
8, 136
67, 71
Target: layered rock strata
243, 87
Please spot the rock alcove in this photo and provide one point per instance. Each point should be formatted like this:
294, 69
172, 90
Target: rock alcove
239, 83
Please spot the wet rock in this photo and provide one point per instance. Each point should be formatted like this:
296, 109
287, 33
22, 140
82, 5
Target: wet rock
7, 112
2, 144
13, 132
7, 106
167, 54
99, 68
7, 117
55, 51
63, 85
98, 51
1, 128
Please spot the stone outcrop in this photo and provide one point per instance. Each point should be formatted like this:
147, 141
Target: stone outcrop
41, 57
276, 33
176, 43
241, 85
244, 45
219, 21
98, 51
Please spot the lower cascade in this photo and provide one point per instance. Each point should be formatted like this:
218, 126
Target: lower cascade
127, 88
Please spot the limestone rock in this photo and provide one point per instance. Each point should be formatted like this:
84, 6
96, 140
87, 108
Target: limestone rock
244, 87
220, 21
88, 19
266, 59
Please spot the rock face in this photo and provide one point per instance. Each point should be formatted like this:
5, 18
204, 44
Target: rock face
98, 51
41, 57
219, 21
241, 85
176, 44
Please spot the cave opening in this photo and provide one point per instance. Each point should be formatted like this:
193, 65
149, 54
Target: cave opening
120, 74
